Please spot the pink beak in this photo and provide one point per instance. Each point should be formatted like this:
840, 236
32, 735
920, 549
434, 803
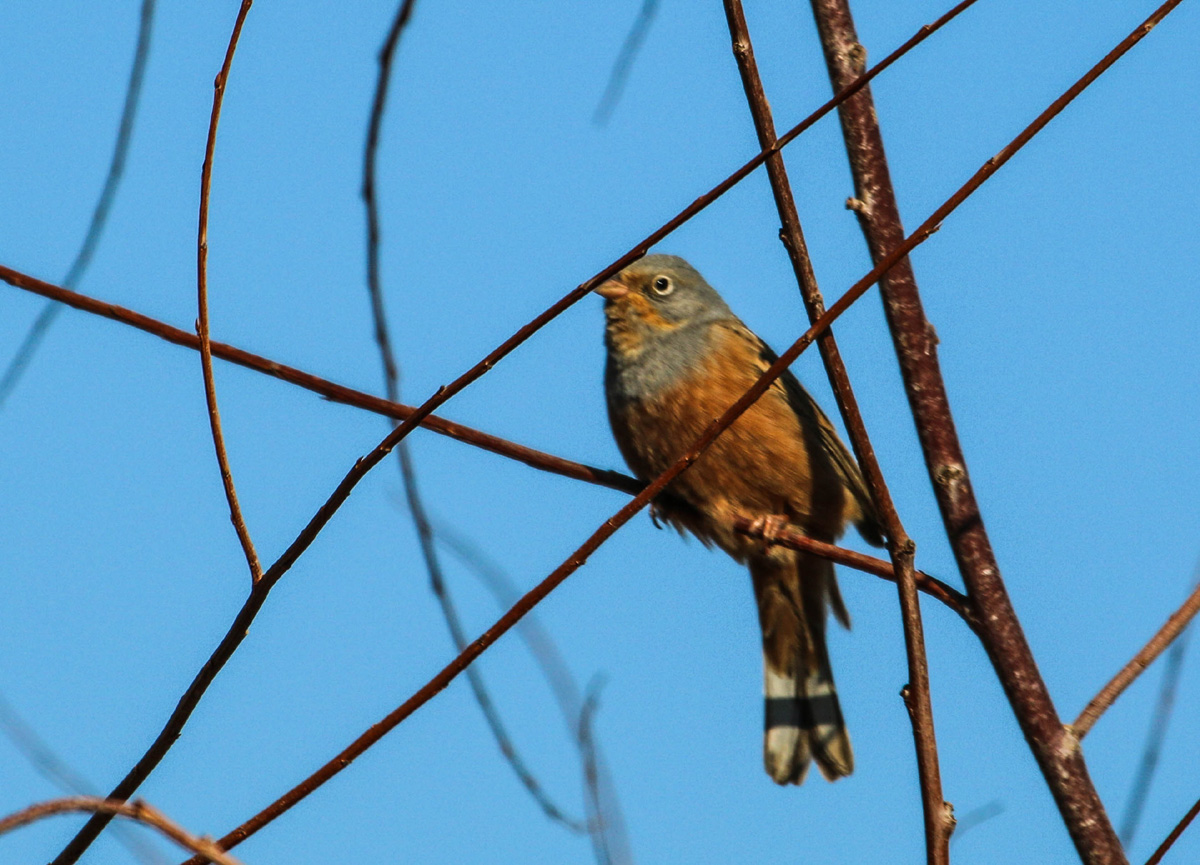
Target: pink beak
613, 289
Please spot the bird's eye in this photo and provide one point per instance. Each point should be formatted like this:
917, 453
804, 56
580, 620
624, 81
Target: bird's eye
662, 286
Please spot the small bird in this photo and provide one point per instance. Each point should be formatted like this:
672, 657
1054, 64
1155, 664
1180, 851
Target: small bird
677, 359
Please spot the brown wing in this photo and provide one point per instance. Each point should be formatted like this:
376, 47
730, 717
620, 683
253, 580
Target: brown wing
812, 418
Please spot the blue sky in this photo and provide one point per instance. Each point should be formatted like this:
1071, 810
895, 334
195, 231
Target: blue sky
1063, 295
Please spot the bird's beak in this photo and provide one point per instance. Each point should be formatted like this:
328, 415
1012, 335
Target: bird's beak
613, 289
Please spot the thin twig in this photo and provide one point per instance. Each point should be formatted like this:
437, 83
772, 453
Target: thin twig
416, 506
619, 76
1057, 754
932, 586
331, 391
1170, 840
210, 386
591, 772
1152, 750
1172, 628
135, 810
938, 814
1157, 732
56, 770
116, 167
94, 826
241, 623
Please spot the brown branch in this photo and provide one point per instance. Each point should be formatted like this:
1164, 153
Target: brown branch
116, 168
1170, 840
1056, 752
56, 770
1172, 628
938, 814
331, 391
416, 506
932, 586
136, 810
210, 386
262, 588
603, 810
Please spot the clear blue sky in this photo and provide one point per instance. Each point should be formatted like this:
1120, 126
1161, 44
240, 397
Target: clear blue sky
1063, 294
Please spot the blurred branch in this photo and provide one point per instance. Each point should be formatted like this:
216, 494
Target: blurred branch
935, 588
604, 810
938, 814
1170, 840
619, 76
1057, 753
95, 825
210, 386
1173, 627
56, 770
391, 376
136, 810
1154, 741
116, 167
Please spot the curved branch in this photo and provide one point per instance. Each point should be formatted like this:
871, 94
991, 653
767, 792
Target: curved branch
136, 810
210, 385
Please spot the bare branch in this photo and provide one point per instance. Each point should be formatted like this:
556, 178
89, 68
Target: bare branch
416, 506
56, 770
331, 391
116, 167
1056, 752
938, 814
1171, 629
210, 386
136, 810
1170, 840
624, 62
932, 586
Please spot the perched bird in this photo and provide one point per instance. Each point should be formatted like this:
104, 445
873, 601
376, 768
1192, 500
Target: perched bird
678, 358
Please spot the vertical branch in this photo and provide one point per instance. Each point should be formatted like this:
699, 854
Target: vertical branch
938, 815
210, 387
1055, 750
116, 167
624, 62
408, 475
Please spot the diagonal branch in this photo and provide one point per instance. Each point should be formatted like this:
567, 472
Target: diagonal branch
258, 594
116, 168
932, 586
136, 810
619, 75
1056, 752
210, 386
938, 814
1171, 629
1171, 838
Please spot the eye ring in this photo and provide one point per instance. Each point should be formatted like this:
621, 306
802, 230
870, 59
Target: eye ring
662, 286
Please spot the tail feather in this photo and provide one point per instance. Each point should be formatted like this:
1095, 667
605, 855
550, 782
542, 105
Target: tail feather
803, 719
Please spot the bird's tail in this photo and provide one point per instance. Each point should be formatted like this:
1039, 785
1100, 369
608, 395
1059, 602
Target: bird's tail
803, 719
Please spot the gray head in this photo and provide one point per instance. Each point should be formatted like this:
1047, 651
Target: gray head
660, 312
662, 292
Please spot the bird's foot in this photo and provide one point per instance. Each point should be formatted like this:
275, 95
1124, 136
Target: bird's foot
769, 527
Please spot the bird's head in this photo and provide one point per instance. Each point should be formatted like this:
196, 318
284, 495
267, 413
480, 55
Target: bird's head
660, 293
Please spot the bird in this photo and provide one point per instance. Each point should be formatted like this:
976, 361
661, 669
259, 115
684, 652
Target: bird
677, 358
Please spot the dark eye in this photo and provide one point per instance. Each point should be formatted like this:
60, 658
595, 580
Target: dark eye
662, 286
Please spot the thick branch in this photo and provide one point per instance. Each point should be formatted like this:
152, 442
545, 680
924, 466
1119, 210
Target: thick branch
1057, 754
938, 815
